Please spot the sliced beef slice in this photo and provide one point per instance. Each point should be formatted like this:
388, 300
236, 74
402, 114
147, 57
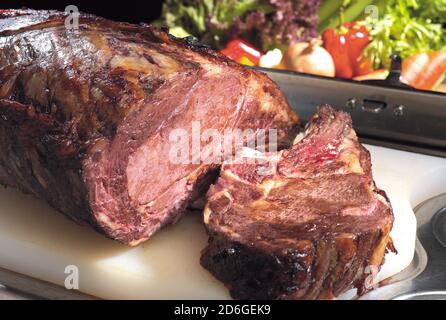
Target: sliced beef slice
304, 223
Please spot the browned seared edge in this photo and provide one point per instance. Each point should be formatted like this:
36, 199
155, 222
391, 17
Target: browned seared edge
312, 229
86, 116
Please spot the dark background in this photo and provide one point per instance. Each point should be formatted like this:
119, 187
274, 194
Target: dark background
125, 10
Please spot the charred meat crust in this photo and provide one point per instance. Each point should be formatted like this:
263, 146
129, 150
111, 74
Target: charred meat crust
108, 94
312, 229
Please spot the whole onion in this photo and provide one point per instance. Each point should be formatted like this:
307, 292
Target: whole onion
309, 57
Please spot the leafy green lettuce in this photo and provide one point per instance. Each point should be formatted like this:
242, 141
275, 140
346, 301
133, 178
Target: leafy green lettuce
265, 23
207, 20
408, 27
435, 10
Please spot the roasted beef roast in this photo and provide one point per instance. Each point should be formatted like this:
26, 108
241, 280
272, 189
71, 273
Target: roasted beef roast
87, 111
304, 223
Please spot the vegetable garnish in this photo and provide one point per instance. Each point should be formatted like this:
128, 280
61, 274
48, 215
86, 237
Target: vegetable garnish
309, 57
407, 28
271, 59
424, 70
346, 45
242, 52
267, 24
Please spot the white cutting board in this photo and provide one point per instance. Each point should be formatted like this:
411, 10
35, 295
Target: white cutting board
38, 242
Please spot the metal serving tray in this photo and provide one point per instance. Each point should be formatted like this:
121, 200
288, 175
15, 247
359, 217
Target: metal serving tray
400, 118
425, 277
